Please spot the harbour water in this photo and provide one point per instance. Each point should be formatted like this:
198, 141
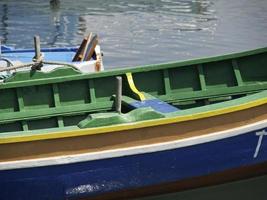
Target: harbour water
139, 32
146, 32
250, 189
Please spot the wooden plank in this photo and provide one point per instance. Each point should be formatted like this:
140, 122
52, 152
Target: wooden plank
92, 91
20, 99
87, 48
90, 48
201, 77
53, 112
167, 83
24, 124
202, 81
60, 121
79, 54
212, 93
237, 73
56, 95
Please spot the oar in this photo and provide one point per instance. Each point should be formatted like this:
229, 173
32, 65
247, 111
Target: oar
90, 48
79, 54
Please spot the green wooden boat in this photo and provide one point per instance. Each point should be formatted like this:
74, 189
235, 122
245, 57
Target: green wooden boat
62, 98
61, 135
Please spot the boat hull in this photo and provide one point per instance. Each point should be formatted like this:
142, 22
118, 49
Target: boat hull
96, 177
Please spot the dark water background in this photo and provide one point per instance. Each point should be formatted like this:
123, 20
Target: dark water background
250, 189
138, 32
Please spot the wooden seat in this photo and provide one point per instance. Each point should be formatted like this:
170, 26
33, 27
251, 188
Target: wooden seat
156, 104
153, 102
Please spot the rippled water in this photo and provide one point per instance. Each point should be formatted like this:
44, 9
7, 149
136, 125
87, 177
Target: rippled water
141, 31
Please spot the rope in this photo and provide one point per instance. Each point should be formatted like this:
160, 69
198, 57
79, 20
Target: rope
2, 77
7, 60
3, 69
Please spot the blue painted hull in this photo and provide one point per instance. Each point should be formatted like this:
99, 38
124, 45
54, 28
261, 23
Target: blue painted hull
110, 175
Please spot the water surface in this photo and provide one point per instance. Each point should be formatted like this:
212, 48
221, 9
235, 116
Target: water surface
139, 32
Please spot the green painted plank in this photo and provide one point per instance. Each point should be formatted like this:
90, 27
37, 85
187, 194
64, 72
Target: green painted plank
167, 84
202, 81
56, 95
234, 102
213, 93
237, 73
24, 125
201, 77
60, 121
92, 91
57, 104
20, 99
53, 112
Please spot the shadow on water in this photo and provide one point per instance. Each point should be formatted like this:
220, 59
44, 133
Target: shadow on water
139, 32
251, 189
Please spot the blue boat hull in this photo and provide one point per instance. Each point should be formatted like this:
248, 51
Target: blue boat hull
92, 178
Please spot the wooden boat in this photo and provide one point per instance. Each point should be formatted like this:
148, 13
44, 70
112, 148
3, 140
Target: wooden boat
181, 125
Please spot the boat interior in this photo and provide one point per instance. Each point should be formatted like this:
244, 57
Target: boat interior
66, 99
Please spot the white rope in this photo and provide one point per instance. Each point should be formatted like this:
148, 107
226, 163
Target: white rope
31, 64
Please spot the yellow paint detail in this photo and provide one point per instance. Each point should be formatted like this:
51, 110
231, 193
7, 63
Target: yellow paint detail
133, 88
129, 126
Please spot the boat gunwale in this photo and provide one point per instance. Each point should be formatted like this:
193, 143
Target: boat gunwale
137, 69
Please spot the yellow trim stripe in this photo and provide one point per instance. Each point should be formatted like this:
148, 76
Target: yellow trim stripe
133, 88
129, 126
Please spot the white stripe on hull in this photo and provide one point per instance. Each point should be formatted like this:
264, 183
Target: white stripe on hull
68, 159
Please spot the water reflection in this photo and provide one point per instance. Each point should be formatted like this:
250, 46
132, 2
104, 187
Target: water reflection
141, 31
55, 14
56, 20
4, 23
82, 28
